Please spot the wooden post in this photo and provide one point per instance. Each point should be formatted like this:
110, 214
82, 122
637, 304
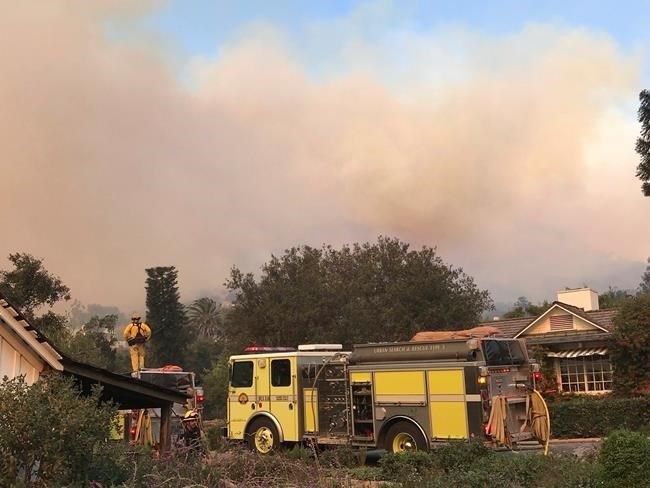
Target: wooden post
165, 428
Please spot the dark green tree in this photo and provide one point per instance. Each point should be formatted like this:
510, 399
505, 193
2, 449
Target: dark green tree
523, 308
365, 292
630, 351
166, 316
612, 298
95, 342
29, 285
215, 385
643, 142
644, 286
519, 309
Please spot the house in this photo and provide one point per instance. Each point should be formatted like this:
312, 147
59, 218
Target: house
24, 351
573, 334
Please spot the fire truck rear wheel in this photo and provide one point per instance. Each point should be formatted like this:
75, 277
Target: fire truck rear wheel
262, 436
404, 437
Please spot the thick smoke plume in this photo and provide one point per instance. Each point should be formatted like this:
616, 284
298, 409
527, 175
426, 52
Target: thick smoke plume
513, 155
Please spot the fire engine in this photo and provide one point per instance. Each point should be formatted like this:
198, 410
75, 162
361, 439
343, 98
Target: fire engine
396, 396
144, 425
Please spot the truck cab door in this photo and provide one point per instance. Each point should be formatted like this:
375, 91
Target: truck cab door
242, 396
283, 395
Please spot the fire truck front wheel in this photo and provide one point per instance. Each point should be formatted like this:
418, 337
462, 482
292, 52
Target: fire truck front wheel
262, 436
404, 437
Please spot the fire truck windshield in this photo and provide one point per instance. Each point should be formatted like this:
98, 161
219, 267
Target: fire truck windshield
503, 352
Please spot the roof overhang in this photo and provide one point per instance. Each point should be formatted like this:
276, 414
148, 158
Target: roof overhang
124, 391
594, 338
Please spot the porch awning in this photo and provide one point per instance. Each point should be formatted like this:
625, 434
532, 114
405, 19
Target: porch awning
576, 353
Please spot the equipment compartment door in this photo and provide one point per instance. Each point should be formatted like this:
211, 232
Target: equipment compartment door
283, 394
447, 404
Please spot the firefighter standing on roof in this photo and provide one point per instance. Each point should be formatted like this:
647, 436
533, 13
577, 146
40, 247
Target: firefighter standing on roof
136, 334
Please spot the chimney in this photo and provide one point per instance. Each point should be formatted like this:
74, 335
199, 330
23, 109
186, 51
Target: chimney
584, 298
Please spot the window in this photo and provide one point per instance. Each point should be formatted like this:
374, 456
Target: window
280, 372
242, 374
503, 352
586, 374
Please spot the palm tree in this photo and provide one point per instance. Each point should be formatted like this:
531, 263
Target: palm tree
205, 317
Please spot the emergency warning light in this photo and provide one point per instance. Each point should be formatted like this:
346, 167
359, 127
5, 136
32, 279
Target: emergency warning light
261, 349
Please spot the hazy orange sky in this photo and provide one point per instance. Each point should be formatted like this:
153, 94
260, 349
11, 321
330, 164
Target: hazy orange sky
513, 153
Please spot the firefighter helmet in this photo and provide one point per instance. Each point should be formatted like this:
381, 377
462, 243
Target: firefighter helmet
136, 316
191, 415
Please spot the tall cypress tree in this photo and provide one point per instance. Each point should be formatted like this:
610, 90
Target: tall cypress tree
643, 143
166, 316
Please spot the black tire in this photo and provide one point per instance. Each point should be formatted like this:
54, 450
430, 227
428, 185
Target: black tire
262, 436
404, 436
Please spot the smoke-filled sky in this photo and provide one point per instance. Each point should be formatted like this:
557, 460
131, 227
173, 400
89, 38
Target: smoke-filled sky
210, 134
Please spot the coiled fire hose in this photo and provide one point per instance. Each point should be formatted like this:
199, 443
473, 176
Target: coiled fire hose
539, 420
497, 423
143, 431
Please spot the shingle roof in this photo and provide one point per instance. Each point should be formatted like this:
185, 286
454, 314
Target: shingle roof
604, 318
511, 327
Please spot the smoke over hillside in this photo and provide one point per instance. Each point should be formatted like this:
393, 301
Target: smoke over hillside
512, 155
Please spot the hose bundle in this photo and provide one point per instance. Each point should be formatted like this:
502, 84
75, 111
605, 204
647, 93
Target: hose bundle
143, 431
497, 423
538, 419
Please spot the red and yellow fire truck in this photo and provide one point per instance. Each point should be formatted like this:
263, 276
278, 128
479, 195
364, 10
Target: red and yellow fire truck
396, 396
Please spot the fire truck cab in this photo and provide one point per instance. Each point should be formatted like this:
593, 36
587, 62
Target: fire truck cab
396, 396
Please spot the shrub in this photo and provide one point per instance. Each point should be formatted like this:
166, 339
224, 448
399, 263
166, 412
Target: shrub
341, 457
366, 473
588, 416
409, 468
245, 468
110, 463
459, 454
50, 433
625, 459
213, 436
519, 470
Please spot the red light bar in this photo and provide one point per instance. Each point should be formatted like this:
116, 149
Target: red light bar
255, 349
200, 398
499, 370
